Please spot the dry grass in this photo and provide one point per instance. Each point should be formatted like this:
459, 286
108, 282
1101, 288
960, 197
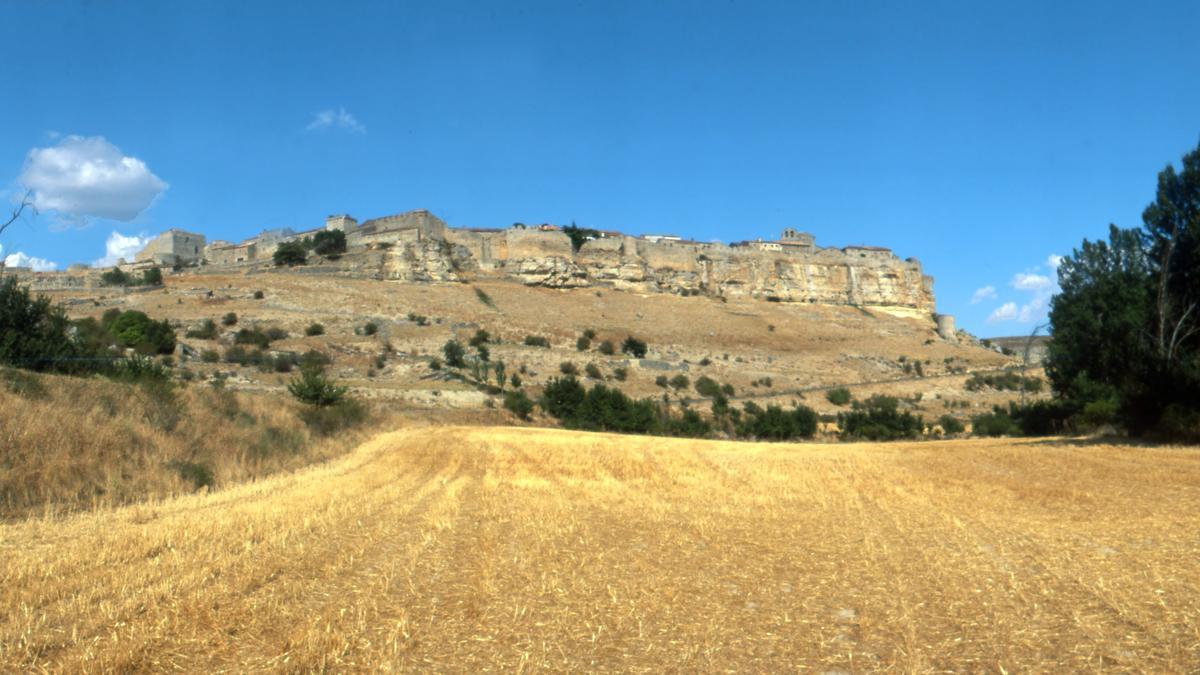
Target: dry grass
467, 549
70, 443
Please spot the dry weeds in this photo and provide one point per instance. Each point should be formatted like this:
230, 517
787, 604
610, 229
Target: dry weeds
466, 549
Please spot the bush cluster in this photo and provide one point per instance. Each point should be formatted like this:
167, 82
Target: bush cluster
879, 419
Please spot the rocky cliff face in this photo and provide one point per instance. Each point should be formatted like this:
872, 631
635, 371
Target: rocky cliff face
825, 276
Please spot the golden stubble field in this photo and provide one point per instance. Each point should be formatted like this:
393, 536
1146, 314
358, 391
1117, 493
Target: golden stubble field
467, 549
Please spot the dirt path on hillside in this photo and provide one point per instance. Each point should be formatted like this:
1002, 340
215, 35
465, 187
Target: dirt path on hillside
468, 549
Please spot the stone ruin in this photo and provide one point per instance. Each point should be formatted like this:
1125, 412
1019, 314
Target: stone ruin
417, 246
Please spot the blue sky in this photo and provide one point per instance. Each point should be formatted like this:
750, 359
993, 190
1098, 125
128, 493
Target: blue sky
982, 138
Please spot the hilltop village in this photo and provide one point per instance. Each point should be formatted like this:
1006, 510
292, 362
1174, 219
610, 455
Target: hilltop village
417, 246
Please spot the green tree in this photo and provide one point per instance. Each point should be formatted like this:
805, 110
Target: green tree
290, 253
454, 353
329, 243
313, 388
33, 331
579, 235
634, 347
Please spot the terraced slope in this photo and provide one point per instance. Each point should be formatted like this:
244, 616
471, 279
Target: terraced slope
467, 549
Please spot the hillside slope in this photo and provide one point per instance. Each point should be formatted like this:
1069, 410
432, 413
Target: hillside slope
464, 549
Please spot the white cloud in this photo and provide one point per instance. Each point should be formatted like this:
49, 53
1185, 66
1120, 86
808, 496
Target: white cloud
20, 259
119, 246
1005, 312
1032, 310
1031, 282
336, 119
981, 294
89, 177
1054, 261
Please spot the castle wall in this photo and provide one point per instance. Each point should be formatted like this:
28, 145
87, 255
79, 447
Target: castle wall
172, 247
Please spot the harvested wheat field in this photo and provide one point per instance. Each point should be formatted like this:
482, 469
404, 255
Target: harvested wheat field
466, 549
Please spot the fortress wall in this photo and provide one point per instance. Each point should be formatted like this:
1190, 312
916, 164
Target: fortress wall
674, 256
522, 244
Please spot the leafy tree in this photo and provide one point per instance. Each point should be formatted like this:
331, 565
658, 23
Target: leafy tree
518, 403
135, 329
115, 277
775, 424
152, 277
329, 243
290, 253
454, 353
33, 332
879, 419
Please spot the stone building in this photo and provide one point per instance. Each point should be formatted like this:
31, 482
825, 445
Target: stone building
173, 247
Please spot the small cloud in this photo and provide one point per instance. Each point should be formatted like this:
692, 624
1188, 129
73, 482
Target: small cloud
20, 259
981, 294
119, 246
1031, 282
336, 119
1054, 261
89, 177
1032, 310
1005, 312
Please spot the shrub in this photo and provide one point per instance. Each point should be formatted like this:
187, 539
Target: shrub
481, 337
370, 328
583, 344
568, 368
313, 360
229, 319
135, 329
518, 403
680, 382
115, 277
838, 396
950, 424
536, 341
621, 373
453, 351
152, 277
634, 347
606, 348
236, 354
252, 336
329, 243
589, 334
662, 381
707, 387
314, 329
290, 253
995, 423
483, 353
593, 372
206, 331
515, 380
419, 319
435, 363
727, 389
879, 419
275, 333
210, 356
313, 388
